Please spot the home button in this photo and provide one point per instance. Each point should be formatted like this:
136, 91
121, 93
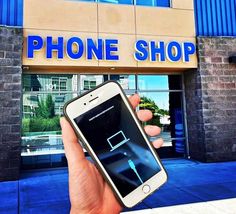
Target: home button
146, 188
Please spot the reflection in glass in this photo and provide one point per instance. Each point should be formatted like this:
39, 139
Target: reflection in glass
159, 82
88, 82
126, 81
175, 82
153, 82
167, 114
88, 0
147, 2
163, 3
44, 97
43, 100
41, 130
160, 3
117, 1
64, 82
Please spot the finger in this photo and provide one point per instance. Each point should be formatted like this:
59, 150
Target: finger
134, 100
144, 115
158, 143
152, 130
73, 150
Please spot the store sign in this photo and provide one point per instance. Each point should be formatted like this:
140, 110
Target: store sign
107, 49
160, 51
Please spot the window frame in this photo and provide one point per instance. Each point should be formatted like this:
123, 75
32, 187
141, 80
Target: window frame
128, 92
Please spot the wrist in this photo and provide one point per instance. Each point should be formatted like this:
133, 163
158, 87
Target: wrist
81, 211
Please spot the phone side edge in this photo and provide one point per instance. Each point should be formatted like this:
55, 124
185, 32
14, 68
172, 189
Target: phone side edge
84, 144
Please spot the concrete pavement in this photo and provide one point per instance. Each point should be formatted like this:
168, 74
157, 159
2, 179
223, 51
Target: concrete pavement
192, 185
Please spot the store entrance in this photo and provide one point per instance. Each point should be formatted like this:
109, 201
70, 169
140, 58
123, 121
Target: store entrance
44, 97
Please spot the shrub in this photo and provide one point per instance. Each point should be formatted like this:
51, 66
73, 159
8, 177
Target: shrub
41, 124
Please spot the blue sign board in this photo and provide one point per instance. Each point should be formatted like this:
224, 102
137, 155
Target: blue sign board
107, 49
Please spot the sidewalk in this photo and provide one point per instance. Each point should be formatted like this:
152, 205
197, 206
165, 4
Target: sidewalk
225, 206
191, 186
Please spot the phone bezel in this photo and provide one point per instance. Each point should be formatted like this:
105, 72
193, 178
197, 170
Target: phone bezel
105, 91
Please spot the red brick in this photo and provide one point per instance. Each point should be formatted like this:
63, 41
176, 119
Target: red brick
216, 59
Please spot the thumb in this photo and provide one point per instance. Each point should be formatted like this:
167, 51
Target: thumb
73, 150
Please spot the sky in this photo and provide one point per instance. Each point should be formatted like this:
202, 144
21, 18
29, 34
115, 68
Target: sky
153, 82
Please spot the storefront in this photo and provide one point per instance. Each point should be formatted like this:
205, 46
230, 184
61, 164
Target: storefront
63, 58
65, 48
45, 94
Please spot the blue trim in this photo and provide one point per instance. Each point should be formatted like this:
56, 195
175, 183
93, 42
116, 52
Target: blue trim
11, 12
223, 12
209, 17
215, 17
199, 19
19, 13
219, 18
4, 13
204, 18
1, 10
15, 12
195, 13
8, 12
233, 16
228, 18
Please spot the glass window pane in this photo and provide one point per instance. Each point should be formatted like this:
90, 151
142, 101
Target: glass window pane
117, 1
163, 3
175, 82
167, 114
126, 2
146, 2
41, 130
159, 3
159, 82
88, 0
88, 82
153, 82
64, 82
126, 81
31, 83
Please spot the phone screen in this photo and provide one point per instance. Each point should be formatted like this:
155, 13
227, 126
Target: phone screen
115, 138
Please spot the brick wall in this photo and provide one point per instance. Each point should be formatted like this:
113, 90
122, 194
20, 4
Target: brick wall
194, 114
211, 101
10, 102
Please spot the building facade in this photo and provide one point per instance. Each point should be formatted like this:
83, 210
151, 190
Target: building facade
178, 55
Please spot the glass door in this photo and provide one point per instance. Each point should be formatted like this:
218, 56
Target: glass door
45, 95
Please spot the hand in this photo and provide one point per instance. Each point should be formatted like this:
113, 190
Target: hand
89, 192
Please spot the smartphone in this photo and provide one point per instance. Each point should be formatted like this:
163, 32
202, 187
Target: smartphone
109, 130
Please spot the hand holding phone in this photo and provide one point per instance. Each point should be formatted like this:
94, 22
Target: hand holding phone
86, 182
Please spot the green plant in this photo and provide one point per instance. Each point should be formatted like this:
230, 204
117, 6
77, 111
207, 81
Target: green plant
147, 103
45, 108
40, 124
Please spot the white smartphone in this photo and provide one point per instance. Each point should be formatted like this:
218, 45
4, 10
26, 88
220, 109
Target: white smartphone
111, 133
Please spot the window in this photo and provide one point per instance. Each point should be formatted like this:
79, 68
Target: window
163, 94
58, 84
154, 3
89, 84
126, 81
44, 97
117, 1
43, 100
163, 3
